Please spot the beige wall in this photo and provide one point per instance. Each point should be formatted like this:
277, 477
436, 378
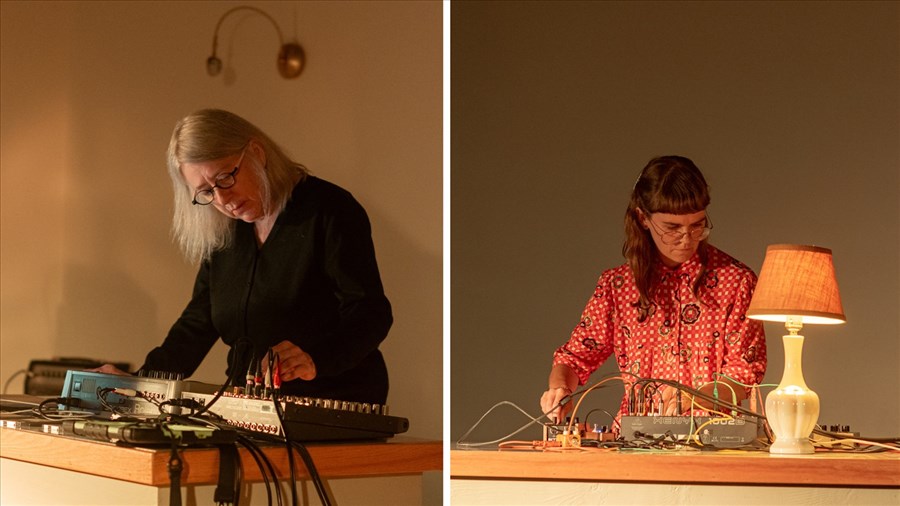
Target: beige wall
90, 93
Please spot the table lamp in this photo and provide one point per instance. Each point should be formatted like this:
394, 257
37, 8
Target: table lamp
796, 285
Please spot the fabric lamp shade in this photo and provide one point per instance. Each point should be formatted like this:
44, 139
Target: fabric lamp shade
797, 281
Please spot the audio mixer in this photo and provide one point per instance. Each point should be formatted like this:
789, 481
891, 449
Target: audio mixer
299, 418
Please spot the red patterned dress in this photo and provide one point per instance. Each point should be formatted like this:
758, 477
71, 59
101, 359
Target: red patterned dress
684, 337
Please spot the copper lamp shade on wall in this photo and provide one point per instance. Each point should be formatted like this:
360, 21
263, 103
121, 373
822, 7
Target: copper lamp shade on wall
290, 56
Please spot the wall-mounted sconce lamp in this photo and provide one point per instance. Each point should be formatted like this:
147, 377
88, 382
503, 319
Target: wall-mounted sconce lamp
290, 55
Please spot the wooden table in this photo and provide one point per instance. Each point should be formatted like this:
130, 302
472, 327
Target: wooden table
533, 477
77, 460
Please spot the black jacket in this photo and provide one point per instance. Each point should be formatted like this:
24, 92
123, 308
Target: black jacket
314, 282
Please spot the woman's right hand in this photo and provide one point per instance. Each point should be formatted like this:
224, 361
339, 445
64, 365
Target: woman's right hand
551, 398
563, 382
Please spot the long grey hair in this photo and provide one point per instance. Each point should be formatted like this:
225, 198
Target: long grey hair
211, 134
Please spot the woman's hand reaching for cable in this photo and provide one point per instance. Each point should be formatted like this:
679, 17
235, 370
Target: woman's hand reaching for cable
293, 362
551, 398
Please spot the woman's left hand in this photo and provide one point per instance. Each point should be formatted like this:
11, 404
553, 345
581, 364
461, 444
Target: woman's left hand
724, 389
670, 401
294, 363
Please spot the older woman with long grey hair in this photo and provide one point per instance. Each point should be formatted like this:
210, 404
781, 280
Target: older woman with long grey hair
287, 267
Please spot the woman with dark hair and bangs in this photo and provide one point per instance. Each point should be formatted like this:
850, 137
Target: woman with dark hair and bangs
674, 311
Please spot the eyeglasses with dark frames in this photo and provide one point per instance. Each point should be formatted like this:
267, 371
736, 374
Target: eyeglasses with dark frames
223, 181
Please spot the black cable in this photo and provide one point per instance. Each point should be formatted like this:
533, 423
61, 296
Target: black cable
635, 383
290, 454
258, 457
265, 467
717, 403
313, 473
610, 415
230, 381
274, 475
69, 402
121, 415
175, 466
244, 438
697, 393
101, 396
725, 405
838, 435
56, 400
304, 454
287, 443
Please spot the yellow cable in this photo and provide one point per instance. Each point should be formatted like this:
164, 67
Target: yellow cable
724, 417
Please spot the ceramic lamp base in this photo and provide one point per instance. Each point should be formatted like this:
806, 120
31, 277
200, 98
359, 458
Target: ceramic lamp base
792, 409
792, 415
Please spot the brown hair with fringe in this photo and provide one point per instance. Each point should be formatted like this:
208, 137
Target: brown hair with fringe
668, 184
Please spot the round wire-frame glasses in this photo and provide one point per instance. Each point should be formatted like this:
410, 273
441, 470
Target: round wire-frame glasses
696, 232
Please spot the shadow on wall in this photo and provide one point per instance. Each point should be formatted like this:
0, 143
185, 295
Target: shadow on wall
413, 348
103, 315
